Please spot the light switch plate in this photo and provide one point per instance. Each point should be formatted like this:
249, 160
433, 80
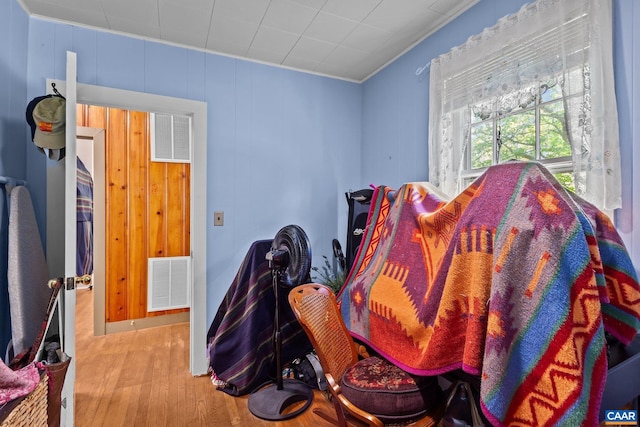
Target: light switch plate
218, 219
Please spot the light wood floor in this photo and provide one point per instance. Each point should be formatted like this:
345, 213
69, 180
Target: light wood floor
142, 378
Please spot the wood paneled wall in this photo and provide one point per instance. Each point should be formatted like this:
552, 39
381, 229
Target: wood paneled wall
147, 208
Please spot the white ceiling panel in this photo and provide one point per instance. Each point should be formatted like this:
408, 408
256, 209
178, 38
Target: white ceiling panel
266, 55
191, 22
312, 49
126, 25
329, 27
450, 7
342, 54
423, 25
356, 10
370, 62
241, 10
93, 5
391, 15
345, 39
274, 39
300, 63
367, 38
145, 11
315, 4
288, 16
91, 18
185, 38
231, 36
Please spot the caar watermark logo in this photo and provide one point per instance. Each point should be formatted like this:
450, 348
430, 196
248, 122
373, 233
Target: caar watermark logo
621, 417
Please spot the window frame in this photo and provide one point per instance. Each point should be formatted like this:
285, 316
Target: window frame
569, 40
556, 165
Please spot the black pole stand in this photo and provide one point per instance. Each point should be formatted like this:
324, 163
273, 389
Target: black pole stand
271, 401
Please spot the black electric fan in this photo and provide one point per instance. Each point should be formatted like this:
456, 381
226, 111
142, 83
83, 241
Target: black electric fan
290, 264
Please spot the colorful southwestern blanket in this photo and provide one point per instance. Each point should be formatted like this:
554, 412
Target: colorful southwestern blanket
515, 280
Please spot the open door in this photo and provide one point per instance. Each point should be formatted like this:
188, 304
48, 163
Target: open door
61, 234
68, 343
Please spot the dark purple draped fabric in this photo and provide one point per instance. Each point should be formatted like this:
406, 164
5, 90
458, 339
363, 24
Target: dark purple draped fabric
240, 338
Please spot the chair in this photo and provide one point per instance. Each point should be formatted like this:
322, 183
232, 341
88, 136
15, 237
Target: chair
371, 389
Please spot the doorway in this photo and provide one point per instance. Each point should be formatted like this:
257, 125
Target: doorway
147, 217
129, 100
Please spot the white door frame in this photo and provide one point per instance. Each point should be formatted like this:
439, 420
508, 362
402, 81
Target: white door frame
61, 238
97, 137
139, 101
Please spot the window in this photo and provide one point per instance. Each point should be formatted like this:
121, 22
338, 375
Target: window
534, 130
536, 86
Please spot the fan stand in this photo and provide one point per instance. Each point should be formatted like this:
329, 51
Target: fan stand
270, 402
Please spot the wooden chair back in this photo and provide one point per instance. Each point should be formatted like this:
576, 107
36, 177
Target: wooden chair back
316, 309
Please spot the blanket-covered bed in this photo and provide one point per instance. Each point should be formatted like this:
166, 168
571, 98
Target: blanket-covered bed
514, 280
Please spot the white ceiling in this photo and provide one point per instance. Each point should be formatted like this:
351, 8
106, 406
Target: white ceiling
346, 39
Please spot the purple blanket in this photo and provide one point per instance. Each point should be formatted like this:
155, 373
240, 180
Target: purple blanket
240, 338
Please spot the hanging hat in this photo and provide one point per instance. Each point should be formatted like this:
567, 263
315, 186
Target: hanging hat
49, 119
29, 112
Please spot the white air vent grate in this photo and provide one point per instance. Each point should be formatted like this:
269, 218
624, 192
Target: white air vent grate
170, 138
169, 283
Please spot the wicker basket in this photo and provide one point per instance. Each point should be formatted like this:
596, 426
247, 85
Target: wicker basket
32, 410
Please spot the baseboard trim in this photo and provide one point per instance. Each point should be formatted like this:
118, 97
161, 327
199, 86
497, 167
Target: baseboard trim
146, 322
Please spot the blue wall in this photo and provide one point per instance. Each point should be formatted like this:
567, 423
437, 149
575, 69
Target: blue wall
14, 24
626, 63
13, 66
283, 146
395, 110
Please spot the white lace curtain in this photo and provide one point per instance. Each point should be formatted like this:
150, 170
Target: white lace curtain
555, 42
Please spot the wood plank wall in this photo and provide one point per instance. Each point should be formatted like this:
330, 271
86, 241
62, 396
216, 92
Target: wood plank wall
147, 209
